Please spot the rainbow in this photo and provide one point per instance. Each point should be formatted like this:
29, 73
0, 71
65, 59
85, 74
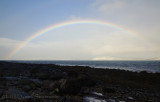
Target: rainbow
63, 24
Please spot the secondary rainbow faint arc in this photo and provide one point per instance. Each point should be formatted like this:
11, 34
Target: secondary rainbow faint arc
62, 24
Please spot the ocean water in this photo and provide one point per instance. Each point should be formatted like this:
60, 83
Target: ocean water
149, 66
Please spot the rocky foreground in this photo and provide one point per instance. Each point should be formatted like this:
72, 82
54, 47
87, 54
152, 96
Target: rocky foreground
53, 83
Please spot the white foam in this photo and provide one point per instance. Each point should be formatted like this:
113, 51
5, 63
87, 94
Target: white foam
93, 99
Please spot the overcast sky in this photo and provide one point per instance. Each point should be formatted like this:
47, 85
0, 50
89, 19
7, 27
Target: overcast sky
19, 19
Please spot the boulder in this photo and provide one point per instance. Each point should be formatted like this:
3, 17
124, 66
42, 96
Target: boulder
74, 85
70, 86
26, 88
109, 90
84, 90
49, 84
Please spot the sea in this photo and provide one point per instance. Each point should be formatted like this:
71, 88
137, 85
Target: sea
136, 66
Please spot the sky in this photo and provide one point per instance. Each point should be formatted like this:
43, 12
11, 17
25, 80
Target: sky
131, 30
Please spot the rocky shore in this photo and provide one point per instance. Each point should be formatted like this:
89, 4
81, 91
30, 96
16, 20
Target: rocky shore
53, 83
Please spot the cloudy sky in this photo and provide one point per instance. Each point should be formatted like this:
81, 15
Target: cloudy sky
134, 36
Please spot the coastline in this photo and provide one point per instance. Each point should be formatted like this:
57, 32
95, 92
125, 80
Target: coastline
129, 65
76, 83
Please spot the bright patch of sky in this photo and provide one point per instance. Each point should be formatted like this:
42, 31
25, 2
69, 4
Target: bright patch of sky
20, 19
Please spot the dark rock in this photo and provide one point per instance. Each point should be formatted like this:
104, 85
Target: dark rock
13, 93
2, 83
30, 82
25, 81
36, 93
56, 76
73, 74
8, 101
84, 90
42, 75
33, 70
86, 80
27, 73
2, 79
73, 86
62, 83
1, 92
45, 100
72, 99
52, 85
12, 78
26, 88
57, 90
48, 84
109, 90
70, 86
38, 82
45, 73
